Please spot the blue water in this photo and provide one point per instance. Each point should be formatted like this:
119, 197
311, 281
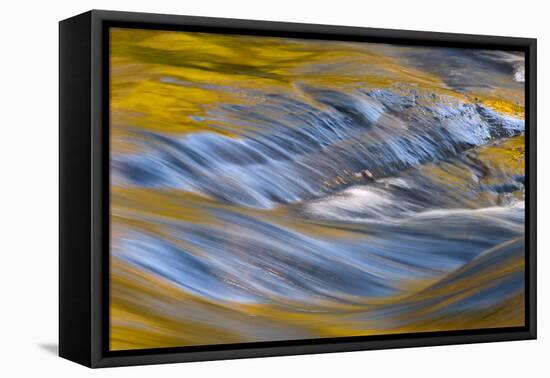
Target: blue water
374, 209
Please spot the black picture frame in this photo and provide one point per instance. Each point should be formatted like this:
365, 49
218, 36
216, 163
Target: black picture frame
84, 188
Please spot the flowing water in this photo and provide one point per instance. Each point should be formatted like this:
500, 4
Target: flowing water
273, 189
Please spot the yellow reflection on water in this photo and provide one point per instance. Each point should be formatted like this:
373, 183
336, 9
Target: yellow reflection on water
170, 82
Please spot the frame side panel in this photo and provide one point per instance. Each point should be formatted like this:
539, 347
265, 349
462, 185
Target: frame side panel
75, 189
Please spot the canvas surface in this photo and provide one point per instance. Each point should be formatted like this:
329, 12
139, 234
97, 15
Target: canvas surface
270, 189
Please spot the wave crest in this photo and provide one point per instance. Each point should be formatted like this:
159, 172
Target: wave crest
314, 147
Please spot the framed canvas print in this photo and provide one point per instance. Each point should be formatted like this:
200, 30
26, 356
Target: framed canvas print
234, 188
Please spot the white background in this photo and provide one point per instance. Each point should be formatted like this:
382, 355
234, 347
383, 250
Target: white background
29, 187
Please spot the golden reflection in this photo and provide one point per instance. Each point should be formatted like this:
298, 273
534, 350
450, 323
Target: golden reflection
276, 189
